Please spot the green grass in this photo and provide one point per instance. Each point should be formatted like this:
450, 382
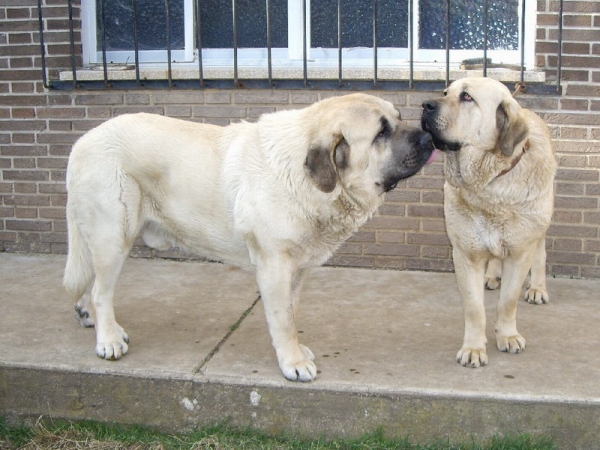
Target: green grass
62, 435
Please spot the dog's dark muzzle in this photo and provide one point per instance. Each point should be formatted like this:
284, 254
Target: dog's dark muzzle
428, 121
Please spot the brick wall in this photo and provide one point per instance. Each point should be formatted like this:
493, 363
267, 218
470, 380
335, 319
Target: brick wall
38, 127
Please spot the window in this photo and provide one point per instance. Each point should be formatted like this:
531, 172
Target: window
120, 22
123, 17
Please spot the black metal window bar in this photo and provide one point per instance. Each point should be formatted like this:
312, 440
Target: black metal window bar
270, 82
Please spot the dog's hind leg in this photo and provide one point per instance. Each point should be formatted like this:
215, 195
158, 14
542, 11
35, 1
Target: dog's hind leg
493, 274
117, 224
109, 220
111, 338
536, 292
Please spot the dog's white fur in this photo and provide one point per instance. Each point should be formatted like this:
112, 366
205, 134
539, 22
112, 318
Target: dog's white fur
279, 195
494, 212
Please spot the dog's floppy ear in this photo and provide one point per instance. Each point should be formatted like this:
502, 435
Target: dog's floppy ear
322, 162
512, 128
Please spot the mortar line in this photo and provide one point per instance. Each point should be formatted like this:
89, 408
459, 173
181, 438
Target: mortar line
235, 326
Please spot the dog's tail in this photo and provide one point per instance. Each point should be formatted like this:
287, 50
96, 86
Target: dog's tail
79, 270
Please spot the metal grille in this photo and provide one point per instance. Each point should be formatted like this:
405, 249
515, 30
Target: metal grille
306, 82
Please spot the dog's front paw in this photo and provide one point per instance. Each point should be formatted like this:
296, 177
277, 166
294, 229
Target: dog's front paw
536, 296
112, 345
299, 367
472, 357
510, 344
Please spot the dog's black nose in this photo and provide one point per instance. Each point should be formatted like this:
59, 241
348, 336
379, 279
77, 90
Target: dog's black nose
425, 141
430, 105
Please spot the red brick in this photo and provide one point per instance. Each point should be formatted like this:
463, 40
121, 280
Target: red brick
350, 261
571, 258
592, 245
390, 236
435, 252
26, 213
23, 150
573, 245
429, 264
26, 200
28, 225
565, 271
25, 175
572, 231
591, 217
23, 163
23, 113
25, 188
425, 211
576, 202
19, 38
571, 48
570, 189
427, 239
577, 175
391, 249
577, 21
99, 99
18, 138
7, 212
581, 6
391, 210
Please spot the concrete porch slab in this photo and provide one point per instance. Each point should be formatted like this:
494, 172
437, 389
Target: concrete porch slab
384, 341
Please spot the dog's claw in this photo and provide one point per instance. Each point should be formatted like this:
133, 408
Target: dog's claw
472, 358
536, 296
302, 369
511, 344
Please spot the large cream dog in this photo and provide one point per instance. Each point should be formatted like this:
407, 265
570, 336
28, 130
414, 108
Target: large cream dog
498, 199
279, 195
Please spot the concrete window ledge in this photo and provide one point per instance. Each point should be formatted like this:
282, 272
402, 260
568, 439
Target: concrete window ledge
219, 72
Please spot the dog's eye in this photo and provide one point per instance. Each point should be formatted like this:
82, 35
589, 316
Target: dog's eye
445, 92
385, 131
464, 97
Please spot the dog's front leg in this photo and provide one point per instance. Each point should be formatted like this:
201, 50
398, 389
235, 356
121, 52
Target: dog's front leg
280, 283
516, 268
469, 273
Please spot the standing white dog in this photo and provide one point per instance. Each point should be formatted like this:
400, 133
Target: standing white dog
280, 195
498, 200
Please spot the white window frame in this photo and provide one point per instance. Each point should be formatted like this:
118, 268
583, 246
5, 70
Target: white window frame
92, 50
317, 57
497, 56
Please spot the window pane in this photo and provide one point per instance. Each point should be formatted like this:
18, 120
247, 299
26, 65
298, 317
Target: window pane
151, 24
217, 23
357, 23
466, 24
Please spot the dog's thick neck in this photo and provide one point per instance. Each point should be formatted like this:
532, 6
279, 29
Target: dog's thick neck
515, 160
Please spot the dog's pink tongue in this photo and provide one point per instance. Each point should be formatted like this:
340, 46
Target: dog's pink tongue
434, 154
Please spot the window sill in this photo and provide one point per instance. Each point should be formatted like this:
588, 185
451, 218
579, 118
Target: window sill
421, 72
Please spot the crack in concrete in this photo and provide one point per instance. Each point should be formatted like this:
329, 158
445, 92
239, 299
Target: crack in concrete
235, 326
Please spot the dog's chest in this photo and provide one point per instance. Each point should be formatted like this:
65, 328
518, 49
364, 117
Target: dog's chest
495, 229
